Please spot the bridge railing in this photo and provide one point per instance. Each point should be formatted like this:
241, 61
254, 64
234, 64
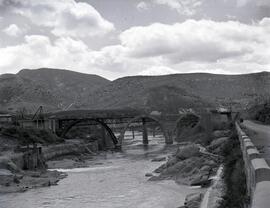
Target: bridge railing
257, 172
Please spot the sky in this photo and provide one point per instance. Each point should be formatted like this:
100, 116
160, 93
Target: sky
116, 38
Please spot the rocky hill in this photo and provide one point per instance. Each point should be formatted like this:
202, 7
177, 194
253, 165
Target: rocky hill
55, 89
173, 92
62, 89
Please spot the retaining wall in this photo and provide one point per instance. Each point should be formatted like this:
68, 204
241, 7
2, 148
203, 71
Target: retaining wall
257, 172
64, 149
54, 151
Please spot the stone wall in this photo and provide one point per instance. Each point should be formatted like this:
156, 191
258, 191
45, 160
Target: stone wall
54, 151
65, 149
257, 172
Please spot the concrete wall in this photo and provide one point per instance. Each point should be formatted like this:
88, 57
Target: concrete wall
257, 172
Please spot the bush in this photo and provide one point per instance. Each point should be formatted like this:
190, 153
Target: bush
30, 136
220, 125
9, 131
264, 114
234, 175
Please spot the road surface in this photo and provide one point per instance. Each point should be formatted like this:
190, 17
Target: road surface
260, 136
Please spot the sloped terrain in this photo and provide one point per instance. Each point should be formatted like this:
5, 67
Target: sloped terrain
63, 89
17, 92
172, 92
52, 88
262, 113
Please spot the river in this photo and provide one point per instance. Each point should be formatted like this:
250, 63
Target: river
112, 180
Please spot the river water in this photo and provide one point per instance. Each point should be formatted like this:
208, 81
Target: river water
112, 180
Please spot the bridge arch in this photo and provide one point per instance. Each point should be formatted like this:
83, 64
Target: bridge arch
122, 134
192, 117
100, 122
188, 124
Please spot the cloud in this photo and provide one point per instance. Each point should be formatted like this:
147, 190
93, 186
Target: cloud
241, 3
260, 3
263, 3
39, 51
13, 30
141, 6
203, 40
207, 46
65, 17
158, 70
219, 47
184, 7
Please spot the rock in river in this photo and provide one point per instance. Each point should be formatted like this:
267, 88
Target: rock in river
159, 159
148, 174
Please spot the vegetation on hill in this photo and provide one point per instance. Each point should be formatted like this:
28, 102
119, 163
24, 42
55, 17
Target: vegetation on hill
234, 175
263, 114
259, 109
14, 91
30, 136
174, 92
61, 89
168, 98
52, 88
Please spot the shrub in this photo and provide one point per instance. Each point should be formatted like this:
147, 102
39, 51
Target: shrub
30, 136
234, 175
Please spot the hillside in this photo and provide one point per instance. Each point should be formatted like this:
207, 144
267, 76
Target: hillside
172, 92
62, 89
53, 88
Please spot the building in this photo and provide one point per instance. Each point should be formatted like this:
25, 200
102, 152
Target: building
48, 124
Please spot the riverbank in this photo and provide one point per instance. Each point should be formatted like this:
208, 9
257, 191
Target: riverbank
16, 176
187, 164
111, 179
26, 180
196, 165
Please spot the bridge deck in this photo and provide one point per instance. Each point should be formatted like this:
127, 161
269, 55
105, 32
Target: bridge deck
81, 114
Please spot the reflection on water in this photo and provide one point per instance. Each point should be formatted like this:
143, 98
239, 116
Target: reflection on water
113, 180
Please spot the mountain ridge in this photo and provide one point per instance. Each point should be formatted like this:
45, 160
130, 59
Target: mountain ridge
29, 88
60, 89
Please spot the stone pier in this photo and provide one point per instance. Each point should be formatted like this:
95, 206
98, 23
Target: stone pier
145, 134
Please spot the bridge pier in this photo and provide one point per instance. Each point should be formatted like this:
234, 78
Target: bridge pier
103, 135
168, 128
169, 138
145, 134
133, 134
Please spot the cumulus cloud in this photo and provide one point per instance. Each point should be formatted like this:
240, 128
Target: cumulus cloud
203, 40
263, 3
204, 45
13, 30
39, 51
184, 7
241, 3
142, 6
158, 70
260, 3
65, 17
191, 46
